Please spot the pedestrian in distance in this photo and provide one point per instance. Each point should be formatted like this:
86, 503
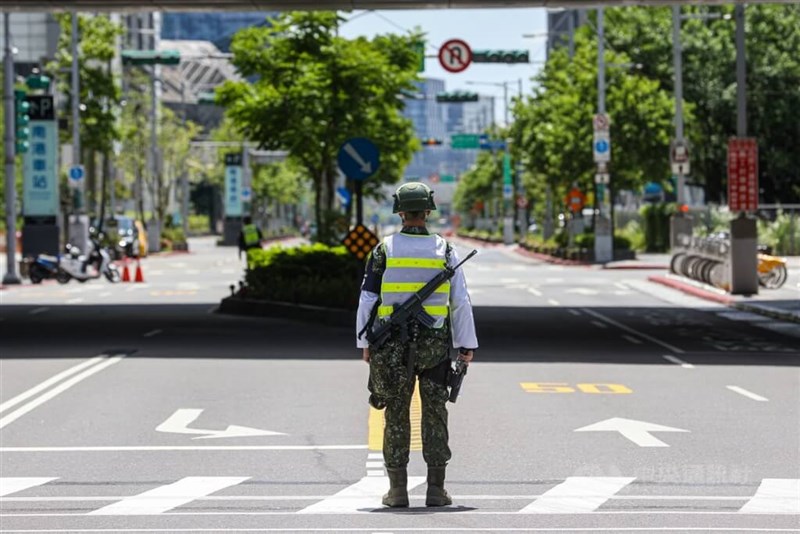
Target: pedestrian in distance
249, 237
397, 270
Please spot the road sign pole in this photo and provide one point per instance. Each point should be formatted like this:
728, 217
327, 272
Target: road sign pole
681, 222
10, 276
603, 229
359, 202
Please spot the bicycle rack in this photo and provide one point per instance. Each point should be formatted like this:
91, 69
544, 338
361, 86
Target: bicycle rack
705, 259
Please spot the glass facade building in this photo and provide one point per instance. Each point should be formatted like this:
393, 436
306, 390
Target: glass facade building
218, 28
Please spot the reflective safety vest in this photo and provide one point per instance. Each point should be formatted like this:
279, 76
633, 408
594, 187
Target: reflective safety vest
250, 232
412, 261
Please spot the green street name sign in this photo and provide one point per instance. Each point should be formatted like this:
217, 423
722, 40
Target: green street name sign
465, 141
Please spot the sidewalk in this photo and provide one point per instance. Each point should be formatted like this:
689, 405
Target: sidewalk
783, 304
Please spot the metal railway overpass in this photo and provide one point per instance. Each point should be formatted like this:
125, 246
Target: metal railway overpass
281, 5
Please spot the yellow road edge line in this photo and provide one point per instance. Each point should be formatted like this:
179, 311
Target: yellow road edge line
376, 423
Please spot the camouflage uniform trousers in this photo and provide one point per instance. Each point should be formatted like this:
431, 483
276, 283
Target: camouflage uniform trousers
431, 353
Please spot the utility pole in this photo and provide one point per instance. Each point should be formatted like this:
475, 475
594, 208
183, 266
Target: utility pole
744, 231
681, 222
185, 173
603, 238
79, 221
10, 276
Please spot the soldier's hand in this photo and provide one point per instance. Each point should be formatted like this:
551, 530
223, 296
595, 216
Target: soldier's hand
465, 356
365, 355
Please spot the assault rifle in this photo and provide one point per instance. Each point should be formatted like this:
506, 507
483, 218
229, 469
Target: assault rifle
412, 308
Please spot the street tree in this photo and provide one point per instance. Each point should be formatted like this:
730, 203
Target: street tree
99, 91
772, 41
312, 90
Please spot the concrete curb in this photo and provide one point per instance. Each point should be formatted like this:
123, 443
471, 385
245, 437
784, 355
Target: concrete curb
522, 251
286, 310
726, 300
640, 267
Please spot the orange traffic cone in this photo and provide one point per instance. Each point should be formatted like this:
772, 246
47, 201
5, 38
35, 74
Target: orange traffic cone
139, 275
126, 275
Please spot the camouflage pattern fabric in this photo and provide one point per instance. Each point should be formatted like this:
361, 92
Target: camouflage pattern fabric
390, 387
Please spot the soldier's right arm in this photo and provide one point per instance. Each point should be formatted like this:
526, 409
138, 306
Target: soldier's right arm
462, 321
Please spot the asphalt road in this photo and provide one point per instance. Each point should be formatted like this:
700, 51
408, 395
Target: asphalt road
599, 402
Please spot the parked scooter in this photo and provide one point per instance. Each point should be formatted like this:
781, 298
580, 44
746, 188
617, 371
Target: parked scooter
83, 268
43, 267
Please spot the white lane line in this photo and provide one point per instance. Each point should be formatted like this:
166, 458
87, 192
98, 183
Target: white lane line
749, 395
41, 399
75, 301
553, 302
775, 496
375, 456
576, 313
362, 497
599, 324
371, 530
632, 339
375, 465
632, 331
678, 361
622, 286
152, 333
37, 311
375, 473
534, 291
577, 495
164, 498
165, 448
9, 485
49, 382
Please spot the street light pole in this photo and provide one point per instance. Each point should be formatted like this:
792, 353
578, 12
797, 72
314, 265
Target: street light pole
10, 276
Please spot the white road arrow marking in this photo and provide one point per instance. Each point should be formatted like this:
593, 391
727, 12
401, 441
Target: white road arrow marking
366, 166
636, 431
178, 423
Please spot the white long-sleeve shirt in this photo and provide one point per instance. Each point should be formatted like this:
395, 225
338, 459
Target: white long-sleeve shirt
462, 322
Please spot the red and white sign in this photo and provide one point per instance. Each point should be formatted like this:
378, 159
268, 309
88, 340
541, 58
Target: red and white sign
576, 200
455, 55
601, 122
742, 174
522, 203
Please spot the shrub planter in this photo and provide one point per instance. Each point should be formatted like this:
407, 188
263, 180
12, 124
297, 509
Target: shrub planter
286, 310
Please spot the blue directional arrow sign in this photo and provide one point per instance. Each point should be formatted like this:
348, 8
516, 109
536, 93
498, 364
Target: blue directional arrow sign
358, 158
76, 173
344, 196
601, 147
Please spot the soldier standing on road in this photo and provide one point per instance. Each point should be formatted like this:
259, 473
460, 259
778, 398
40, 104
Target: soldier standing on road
395, 270
250, 236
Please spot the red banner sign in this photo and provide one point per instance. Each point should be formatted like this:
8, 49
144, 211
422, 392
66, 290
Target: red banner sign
742, 174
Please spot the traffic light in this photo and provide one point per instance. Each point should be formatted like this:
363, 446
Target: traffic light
21, 121
500, 56
431, 141
207, 98
150, 57
458, 96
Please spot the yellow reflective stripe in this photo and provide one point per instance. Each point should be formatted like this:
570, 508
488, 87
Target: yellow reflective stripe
410, 287
386, 311
419, 263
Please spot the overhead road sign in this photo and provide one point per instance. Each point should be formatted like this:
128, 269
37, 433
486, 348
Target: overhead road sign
455, 55
465, 141
358, 158
150, 57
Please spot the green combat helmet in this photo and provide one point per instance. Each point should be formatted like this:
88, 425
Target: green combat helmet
413, 196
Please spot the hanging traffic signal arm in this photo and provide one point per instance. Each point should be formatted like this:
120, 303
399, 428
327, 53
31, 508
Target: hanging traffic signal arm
150, 57
500, 56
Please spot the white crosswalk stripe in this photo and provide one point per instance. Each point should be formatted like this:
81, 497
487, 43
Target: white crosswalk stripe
577, 495
775, 496
164, 498
363, 496
9, 485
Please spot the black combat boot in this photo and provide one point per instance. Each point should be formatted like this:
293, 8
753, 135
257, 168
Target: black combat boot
398, 488
437, 495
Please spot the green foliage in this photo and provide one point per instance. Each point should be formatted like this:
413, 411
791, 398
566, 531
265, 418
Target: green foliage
479, 185
655, 218
782, 234
553, 128
171, 236
313, 90
709, 79
312, 274
198, 224
634, 234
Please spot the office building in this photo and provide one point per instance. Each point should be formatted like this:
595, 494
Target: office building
219, 28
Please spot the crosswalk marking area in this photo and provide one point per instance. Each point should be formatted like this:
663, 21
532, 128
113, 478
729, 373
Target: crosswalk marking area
9, 485
573, 495
577, 495
775, 496
164, 498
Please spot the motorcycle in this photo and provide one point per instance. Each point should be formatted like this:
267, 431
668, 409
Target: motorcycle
43, 267
83, 268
